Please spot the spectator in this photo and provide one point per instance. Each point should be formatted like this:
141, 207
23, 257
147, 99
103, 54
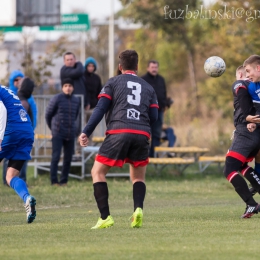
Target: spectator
61, 115
93, 81
14, 82
158, 83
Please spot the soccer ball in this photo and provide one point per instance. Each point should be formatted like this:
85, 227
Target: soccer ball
214, 66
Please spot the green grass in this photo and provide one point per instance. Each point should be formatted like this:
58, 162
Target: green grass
185, 217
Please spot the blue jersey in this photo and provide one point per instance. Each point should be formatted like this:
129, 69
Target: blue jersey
254, 91
17, 116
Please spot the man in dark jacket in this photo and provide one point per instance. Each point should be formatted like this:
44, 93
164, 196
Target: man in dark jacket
74, 70
61, 116
158, 83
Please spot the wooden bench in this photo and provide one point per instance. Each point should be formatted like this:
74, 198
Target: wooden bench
206, 161
180, 163
196, 152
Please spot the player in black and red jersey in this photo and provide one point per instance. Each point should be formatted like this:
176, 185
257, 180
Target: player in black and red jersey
130, 105
244, 147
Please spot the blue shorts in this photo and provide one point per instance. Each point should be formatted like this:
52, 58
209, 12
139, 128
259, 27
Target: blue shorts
17, 145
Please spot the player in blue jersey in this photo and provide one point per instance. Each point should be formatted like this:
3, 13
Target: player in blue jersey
16, 140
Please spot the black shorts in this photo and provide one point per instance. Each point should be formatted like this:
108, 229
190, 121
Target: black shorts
245, 144
118, 149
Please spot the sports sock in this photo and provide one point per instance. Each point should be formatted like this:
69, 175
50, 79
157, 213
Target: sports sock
241, 188
257, 169
252, 177
101, 196
20, 188
139, 190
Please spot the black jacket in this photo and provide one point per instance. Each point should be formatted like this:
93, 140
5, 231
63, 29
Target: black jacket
93, 87
158, 83
76, 73
61, 115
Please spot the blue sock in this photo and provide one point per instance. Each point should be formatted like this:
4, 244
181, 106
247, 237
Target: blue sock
20, 188
257, 169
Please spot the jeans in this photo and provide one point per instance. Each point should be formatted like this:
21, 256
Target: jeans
170, 136
22, 173
68, 148
156, 130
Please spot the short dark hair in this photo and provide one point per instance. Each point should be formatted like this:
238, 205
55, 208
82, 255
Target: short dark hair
68, 53
241, 68
128, 59
253, 59
152, 61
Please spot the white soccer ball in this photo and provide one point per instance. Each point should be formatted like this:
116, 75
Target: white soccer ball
214, 66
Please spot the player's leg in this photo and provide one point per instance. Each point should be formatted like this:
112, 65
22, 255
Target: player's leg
232, 166
101, 194
20, 187
68, 146
138, 159
257, 164
137, 175
22, 173
5, 163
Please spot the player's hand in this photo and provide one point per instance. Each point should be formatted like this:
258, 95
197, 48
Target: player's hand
83, 140
253, 119
251, 127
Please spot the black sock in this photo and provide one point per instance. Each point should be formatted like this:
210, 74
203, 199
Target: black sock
242, 189
252, 177
101, 196
139, 190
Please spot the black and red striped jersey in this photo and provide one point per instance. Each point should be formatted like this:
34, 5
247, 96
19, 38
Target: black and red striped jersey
131, 98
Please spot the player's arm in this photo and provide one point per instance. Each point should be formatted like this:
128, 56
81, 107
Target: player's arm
245, 102
153, 109
3, 118
101, 108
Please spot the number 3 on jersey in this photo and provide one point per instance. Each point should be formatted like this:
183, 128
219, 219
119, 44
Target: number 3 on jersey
135, 98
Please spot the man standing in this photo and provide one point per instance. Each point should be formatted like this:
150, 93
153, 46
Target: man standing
16, 140
61, 115
130, 106
157, 82
74, 70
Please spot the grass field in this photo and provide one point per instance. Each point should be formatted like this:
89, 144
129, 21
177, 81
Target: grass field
185, 217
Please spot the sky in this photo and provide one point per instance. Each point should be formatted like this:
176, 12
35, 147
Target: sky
97, 9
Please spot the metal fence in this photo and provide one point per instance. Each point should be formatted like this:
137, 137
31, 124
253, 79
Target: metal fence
42, 149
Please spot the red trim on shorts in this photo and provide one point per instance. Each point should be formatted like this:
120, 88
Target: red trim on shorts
131, 131
104, 95
120, 163
154, 105
231, 176
250, 159
137, 163
108, 161
244, 170
239, 88
236, 155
